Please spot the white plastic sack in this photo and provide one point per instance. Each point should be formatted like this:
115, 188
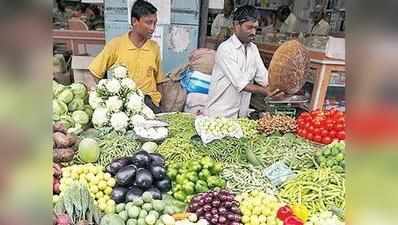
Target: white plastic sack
196, 103
210, 129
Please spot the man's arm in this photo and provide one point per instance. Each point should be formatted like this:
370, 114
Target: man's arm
91, 81
257, 89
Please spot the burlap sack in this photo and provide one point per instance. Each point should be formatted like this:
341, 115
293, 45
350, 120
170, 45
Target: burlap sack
202, 60
289, 64
173, 95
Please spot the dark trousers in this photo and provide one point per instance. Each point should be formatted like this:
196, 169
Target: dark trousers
149, 103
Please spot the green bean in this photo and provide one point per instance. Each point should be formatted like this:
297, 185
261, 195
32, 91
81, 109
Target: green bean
315, 189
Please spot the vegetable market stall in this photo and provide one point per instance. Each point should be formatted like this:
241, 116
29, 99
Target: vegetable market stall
115, 162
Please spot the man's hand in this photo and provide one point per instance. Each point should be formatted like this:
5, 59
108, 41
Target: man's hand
91, 81
257, 89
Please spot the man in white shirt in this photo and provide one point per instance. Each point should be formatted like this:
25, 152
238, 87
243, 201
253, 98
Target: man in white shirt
223, 20
237, 65
320, 26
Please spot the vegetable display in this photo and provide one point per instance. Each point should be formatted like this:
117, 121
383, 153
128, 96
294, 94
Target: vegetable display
217, 207
295, 152
177, 149
57, 174
210, 129
324, 218
76, 206
64, 144
242, 178
332, 156
322, 126
249, 127
116, 101
114, 145
318, 190
143, 172
192, 177
70, 106
146, 210
227, 150
181, 125
258, 208
282, 124
98, 183
88, 150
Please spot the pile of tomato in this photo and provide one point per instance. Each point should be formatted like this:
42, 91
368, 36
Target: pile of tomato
322, 126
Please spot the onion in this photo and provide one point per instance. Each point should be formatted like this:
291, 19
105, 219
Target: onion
235, 223
208, 200
202, 202
231, 217
222, 210
235, 210
207, 208
216, 203
228, 204
200, 211
208, 216
214, 211
214, 220
222, 219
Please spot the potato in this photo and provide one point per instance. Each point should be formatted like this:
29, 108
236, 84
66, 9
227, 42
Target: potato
61, 141
71, 138
63, 155
59, 127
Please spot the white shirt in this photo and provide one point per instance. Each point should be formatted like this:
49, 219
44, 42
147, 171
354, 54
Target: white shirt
232, 72
219, 22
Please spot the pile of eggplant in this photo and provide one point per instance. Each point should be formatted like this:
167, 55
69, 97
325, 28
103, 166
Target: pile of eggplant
143, 172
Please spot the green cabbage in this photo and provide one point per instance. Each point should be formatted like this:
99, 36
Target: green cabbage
80, 117
76, 104
67, 121
79, 90
66, 96
57, 88
87, 109
59, 107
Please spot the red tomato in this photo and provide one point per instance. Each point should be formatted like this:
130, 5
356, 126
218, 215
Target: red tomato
303, 133
301, 124
305, 114
317, 131
332, 133
324, 133
318, 138
339, 115
326, 140
341, 135
333, 111
310, 136
329, 126
307, 125
339, 127
340, 120
317, 123
308, 119
311, 129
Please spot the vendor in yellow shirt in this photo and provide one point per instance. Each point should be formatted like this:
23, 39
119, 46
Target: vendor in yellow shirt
137, 51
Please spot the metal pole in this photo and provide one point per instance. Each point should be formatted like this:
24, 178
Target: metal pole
204, 13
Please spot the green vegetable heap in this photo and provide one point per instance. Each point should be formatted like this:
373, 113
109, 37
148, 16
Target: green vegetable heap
332, 156
70, 106
146, 211
192, 177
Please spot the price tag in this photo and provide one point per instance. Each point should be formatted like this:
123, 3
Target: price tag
278, 173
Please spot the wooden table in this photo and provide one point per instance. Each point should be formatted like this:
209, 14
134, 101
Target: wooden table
80, 42
320, 64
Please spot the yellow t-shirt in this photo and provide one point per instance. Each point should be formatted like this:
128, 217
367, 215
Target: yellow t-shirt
143, 63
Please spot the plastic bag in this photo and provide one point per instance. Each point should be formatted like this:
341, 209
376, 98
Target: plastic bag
210, 129
195, 82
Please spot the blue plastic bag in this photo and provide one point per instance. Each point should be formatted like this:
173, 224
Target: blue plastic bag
195, 82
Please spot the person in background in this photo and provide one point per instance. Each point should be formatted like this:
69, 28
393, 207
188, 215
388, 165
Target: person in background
60, 15
223, 20
137, 51
288, 24
320, 26
237, 66
279, 18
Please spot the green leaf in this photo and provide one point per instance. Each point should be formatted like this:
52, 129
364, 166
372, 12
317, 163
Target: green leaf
68, 202
85, 198
59, 206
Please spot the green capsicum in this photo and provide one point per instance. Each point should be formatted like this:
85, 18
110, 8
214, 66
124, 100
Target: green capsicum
204, 174
192, 176
207, 162
196, 166
180, 178
216, 169
201, 186
179, 195
188, 187
172, 173
212, 181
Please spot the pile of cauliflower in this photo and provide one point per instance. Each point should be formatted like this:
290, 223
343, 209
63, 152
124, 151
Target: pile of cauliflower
117, 100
